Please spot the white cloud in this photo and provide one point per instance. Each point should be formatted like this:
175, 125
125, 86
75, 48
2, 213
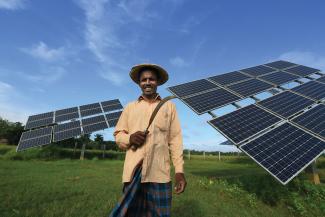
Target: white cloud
12, 4
8, 110
178, 62
48, 74
304, 58
43, 52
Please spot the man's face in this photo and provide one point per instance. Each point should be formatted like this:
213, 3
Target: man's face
148, 83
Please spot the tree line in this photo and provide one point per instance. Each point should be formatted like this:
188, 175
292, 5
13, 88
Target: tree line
12, 131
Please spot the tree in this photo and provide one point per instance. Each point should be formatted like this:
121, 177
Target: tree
11, 131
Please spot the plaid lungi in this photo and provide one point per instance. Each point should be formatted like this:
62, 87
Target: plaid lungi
144, 199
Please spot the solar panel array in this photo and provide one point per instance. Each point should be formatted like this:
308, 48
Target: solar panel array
67, 123
283, 133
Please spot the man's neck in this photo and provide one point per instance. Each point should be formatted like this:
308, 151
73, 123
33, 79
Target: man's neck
151, 97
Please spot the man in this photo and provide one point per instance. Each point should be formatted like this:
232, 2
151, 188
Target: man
146, 174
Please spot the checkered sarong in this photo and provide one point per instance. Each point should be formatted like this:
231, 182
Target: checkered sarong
144, 199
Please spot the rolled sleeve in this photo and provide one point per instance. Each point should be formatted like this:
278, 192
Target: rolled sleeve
176, 142
121, 133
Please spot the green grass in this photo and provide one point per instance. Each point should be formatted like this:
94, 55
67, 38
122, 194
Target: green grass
232, 187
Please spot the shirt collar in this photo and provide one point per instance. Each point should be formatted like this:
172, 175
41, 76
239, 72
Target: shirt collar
155, 99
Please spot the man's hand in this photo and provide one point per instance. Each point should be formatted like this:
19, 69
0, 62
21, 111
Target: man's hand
180, 183
137, 139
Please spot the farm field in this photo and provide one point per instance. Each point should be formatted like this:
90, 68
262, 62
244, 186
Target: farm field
234, 186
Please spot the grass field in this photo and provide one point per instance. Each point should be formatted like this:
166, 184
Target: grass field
231, 187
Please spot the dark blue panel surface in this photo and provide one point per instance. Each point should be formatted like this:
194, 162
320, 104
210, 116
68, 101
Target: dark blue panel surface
284, 151
211, 100
229, 78
66, 117
35, 138
110, 102
279, 78
258, 70
94, 127
250, 87
112, 107
67, 134
39, 123
114, 115
66, 111
312, 89
280, 64
286, 104
321, 79
93, 120
302, 70
193, 87
313, 120
244, 123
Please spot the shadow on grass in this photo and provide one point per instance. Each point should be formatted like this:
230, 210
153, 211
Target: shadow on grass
187, 208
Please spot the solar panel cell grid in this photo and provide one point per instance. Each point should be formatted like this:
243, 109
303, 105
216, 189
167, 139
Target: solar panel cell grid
66, 126
302, 70
286, 104
229, 78
94, 127
36, 133
89, 112
321, 79
280, 64
312, 89
67, 117
112, 122
211, 100
284, 151
114, 115
279, 78
250, 87
112, 107
66, 111
258, 70
92, 120
89, 106
189, 88
40, 116
44, 140
39, 123
313, 120
244, 123
110, 102
59, 136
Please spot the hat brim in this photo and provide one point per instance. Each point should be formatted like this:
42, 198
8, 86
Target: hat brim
163, 75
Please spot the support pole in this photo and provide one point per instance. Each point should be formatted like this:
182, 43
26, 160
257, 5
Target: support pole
312, 174
219, 156
204, 155
189, 154
104, 149
82, 155
75, 147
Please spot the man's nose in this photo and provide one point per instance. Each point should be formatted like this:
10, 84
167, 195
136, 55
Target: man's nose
147, 81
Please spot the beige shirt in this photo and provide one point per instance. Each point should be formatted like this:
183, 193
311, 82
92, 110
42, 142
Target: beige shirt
164, 137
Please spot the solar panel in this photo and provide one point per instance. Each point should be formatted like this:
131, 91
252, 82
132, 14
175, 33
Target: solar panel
89, 112
313, 120
284, 151
89, 106
110, 102
258, 70
211, 100
321, 79
40, 116
67, 117
229, 78
244, 123
38, 123
112, 107
301, 70
66, 126
112, 122
280, 64
286, 104
114, 115
67, 134
66, 111
279, 78
94, 127
34, 138
92, 120
189, 88
250, 87
312, 89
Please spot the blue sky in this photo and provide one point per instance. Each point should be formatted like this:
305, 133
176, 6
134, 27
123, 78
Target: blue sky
58, 54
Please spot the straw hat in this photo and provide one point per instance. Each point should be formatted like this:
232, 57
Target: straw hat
162, 73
